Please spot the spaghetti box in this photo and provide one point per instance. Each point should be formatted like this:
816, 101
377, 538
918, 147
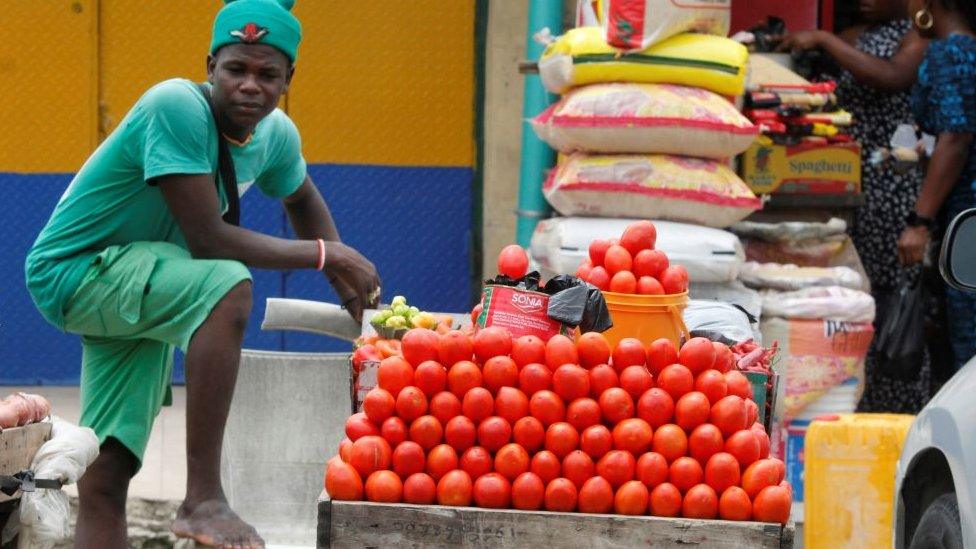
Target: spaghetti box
807, 168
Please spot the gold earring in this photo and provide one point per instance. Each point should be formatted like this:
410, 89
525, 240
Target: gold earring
924, 19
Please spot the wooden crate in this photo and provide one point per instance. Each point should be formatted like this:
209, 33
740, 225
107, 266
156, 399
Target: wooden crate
17, 448
362, 524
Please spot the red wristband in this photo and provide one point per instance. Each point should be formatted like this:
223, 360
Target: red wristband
321, 263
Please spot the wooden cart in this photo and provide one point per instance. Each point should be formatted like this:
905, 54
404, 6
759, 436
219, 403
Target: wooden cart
362, 524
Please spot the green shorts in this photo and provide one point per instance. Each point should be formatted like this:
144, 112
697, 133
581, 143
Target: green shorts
137, 303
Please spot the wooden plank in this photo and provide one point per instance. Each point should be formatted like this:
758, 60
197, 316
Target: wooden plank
17, 448
362, 524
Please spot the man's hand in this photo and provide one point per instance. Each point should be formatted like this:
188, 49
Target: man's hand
801, 41
913, 244
353, 277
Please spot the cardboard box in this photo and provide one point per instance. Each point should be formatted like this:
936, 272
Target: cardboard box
808, 168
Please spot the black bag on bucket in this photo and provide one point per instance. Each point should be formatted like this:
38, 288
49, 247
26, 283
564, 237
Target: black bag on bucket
901, 336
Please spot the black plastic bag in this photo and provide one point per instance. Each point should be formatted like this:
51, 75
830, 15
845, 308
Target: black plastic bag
901, 335
577, 303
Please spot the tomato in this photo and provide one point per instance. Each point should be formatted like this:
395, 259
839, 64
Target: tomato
419, 489
599, 278
763, 438
772, 504
394, 374
729, 415
648, 285
602, 377
491, 342
670, 441
455, 489
384, 487
430, 377
546, 465
656, 407
528, 349
652, 469
631, 499
636, 380
498, 372
744, 446
738, 384
734, 504
593, 349
582, 413
691, 410
441, 460
345, 446
676, 380
722, 471
528, 492
394, 430
513, 262
408, 458
623, 282
547, 407
752, 411
712, 384
698, 355
389, 347
583, 270
426, 431
560, 350
633, 435
617, 259
598, 250
660, 354
464, 376
561, 495
684, 473
596, 441
724, 359
411, 403
628, 352
370, 453
596, 496
454, 346
444, 406
358, 425
420, 345
616, 405
460, 433
704, 442
511, 461
475, 313
378, 404
578, 467
493, 433
492, 491
533, 378
701, 502
477, 404
366, 353
511, 404
570, 382
476, 461
675, 279
561, 439
529, 433
665, 501
650, 263
759, 475
343, 482
617, 466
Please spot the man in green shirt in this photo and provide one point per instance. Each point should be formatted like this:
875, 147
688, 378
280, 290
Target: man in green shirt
138, 260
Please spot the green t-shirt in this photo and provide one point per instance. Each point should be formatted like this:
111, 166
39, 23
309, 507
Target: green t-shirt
169, 131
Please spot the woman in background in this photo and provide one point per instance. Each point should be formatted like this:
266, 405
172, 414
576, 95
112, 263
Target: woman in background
879, 62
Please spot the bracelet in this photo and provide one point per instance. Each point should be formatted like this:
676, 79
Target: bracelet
321, 263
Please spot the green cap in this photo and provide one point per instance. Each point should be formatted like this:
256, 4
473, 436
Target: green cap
258, 22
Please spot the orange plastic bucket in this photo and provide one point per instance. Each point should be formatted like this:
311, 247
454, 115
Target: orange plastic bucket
646, 317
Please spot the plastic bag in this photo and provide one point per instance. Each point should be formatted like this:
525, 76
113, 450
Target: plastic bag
833, 302
577, 303
638, 24
717, 321
901, 336
776, 276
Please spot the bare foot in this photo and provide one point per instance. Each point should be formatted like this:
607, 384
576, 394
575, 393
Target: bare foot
214, 524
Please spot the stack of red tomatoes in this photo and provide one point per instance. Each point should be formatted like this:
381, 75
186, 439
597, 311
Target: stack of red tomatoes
631, 264
521, 423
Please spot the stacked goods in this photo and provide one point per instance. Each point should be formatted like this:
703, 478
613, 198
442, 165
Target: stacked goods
638, 24
21, 409
632, 265
502, 422
644, 134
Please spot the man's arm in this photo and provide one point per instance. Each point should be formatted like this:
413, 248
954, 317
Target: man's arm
309, 215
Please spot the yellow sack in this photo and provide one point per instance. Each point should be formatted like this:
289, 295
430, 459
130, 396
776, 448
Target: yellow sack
582, 56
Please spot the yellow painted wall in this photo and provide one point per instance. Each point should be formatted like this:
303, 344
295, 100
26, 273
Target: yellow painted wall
379, 81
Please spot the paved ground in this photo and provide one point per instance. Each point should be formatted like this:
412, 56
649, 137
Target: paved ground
163, 473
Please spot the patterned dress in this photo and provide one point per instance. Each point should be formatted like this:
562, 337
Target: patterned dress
888, 198
944, 100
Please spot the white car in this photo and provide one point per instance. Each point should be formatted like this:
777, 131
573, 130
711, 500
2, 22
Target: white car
935, 486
